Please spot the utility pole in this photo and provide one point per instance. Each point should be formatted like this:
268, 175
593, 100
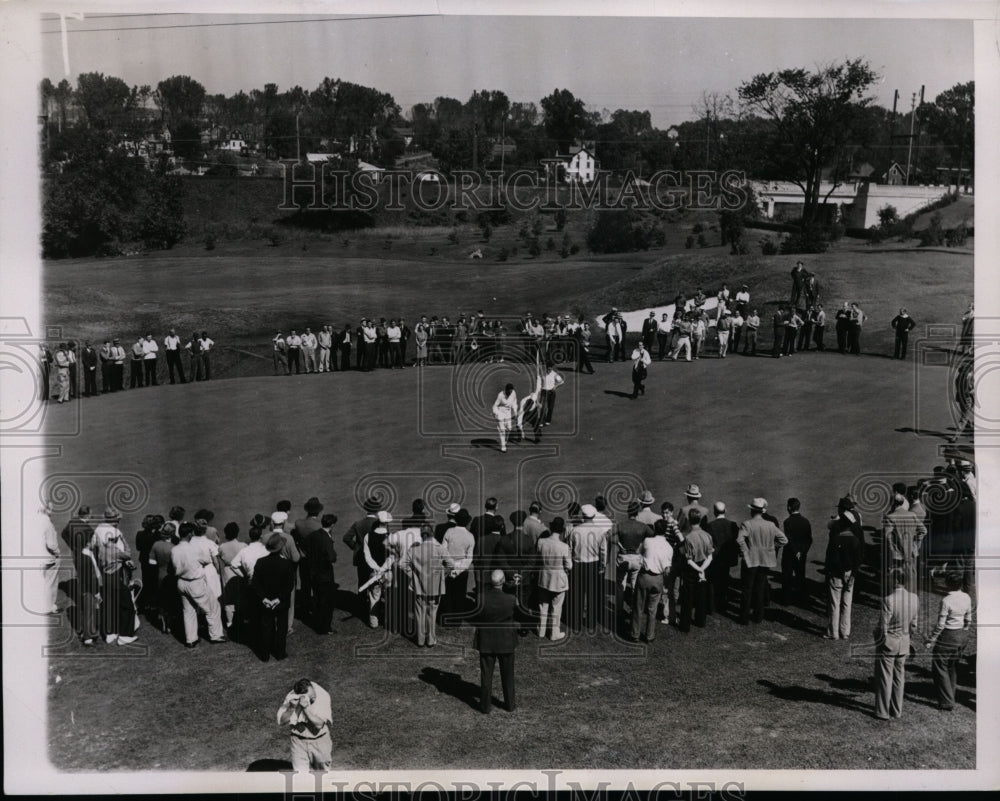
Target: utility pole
503, 141
475, 146
298, 154
909, 149
707, 118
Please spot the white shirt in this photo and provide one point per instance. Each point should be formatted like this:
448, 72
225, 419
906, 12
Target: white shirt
312, 724
247, 558
551, 380
294, 341
641, 356
279, 344
505, 405
370, 334
309, 340
742, 297
171, 342
150, 348
206, 344
393, 333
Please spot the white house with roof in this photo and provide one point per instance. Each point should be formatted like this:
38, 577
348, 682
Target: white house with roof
577, 166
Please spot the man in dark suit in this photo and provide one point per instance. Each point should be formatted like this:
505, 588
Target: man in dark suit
89, 359
496, 639
484, 558
723, 532
300, 533
649, 329
321, 557
355, 538
793, 557
479, 525
272, 584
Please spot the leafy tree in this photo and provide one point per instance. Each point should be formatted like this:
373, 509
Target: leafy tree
566, 118
813, 116
951, 119
105, 199
487, 109
622, 231
105, 100
179, 97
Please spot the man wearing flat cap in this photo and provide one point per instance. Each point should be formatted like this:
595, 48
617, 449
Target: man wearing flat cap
758, 541
272, 584
588, 544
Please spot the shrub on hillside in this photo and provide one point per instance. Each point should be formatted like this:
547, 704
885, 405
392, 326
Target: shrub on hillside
810, 239
689, 242
768, 247
622, 231
702, 242
933, 234
534, 247
955, 237
561, 219
453, 236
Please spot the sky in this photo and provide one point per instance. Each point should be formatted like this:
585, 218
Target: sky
658, 64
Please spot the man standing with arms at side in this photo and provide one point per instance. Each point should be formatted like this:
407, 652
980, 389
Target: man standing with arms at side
555, 564
758, 541
626, 537
89, 359
307, 710
460, 545
723, 532
588, 544
856, 321
752, 326
321, 557
819, 327
309, 343
118, 372
496, 639
697, 551
107, 368
649, 330
325, 340
135, 368
149, 351
902, 324
172, 346
300, 534
793, 557
897, 623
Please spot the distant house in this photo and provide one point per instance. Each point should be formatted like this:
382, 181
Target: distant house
505, 149
376, 172
234, 144
895, 175
428, 178
863, 172
406, 134
577, 166
318, 158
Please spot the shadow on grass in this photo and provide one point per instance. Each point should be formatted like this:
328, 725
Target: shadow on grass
269, 766
785, 617
485, 442
618, 393
815, 695
926, 432
452, 684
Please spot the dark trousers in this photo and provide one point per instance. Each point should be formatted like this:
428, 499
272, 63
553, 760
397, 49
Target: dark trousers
899, 351
718, 576
586, 595
548, 403
304, 594
46, 379
779, 340
754, 581
854, 339
788, 348
750, 343
818, 331
944, 665
662, 342
107, 377
583, 360
648, 592
455, 590
89, 380
805, 334
842, 337
135, 374
395, 354
793, 571
149, 368
737, 333
294, 360
72, 381
323, 595
205, 364
694, 595
174, 363
345, 358
273, 632
486, 665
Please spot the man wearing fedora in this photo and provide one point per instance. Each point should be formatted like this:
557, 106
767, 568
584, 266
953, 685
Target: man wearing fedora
646, 514
354, 539
426, 564
442, 528
588, 543
496, 639
300, 534
692, 495
289, 550
758, 541
272, 584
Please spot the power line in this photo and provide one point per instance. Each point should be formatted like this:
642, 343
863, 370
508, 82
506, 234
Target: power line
236, 24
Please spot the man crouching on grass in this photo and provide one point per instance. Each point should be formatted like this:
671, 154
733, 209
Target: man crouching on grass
307, 710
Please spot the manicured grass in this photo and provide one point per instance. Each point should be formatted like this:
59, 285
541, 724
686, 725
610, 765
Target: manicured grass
769, 696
